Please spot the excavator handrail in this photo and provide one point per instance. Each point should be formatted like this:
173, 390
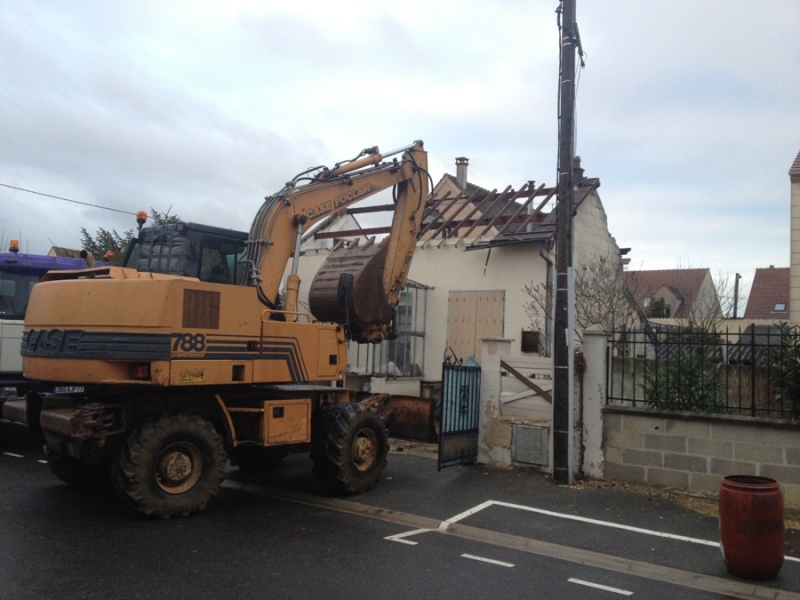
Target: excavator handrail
291, 313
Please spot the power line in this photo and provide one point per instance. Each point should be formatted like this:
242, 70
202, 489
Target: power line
13, 187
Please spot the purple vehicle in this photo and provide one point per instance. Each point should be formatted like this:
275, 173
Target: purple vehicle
18, 274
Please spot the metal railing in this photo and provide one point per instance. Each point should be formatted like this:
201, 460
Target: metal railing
751, 372
403, 356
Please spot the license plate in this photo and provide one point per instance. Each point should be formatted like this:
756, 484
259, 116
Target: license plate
68, 389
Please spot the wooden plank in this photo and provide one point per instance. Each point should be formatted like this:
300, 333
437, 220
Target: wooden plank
473, 315
533, 364
518, 396
543, 393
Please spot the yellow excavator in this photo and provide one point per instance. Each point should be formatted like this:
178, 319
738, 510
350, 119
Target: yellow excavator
158, 378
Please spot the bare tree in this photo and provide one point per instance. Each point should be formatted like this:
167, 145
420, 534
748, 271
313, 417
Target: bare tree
601, 298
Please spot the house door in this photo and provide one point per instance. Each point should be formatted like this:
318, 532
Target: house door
471, 316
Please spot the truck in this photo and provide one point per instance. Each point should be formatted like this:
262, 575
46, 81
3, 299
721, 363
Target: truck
158, 378
19, 271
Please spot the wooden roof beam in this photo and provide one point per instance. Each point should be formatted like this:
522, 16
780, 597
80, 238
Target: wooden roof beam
521, 208
452, 217
500, 213
538, 209
506, 192
437, 205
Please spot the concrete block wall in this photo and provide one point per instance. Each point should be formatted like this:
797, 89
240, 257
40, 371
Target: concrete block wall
694, 452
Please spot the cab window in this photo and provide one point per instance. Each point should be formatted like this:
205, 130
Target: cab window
222, 261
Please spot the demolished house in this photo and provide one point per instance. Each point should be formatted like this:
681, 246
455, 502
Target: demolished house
476, 251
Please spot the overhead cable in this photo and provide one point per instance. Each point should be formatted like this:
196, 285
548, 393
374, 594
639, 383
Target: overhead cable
13, 187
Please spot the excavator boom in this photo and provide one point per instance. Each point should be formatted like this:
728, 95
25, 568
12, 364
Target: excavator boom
358, 285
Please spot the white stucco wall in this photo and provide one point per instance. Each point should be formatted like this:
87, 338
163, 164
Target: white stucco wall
451, 268
590, 232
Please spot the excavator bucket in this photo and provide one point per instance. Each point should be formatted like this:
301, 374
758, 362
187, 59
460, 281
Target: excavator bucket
348, 289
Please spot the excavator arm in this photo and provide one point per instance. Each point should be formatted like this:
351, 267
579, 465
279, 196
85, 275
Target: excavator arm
358, 285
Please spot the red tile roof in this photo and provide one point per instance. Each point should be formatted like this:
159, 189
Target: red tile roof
770, 287
686, 283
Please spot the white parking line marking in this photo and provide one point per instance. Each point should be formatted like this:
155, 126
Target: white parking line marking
681, 538
499, 563
14, 455
601, 587
727, 587
549, 513
399, 537
469, 512
392, 538
44, 462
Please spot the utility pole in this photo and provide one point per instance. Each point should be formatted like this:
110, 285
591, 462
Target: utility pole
736, 295
564, 330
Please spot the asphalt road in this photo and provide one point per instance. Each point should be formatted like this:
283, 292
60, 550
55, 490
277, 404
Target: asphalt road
465, 532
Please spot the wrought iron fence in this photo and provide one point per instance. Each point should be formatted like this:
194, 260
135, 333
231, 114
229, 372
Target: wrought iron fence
753, 372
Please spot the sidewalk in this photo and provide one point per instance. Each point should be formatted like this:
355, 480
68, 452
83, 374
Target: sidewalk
696, 503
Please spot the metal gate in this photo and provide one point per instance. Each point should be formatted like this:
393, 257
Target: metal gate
461, 394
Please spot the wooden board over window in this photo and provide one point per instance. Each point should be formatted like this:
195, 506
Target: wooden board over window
472, 316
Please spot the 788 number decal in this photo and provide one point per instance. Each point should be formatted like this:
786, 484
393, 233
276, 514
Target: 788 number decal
189, 343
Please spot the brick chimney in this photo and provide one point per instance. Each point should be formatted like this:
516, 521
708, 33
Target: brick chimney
794, 258
577, 171
461, 171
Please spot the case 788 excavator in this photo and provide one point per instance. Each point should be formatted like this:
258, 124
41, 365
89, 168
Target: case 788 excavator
159, 378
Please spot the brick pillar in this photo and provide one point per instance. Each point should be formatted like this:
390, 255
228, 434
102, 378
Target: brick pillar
594, 399
794, 291
494, 434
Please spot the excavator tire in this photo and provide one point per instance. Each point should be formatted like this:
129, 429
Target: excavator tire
74, 472
256, 459
171, 466
350, 449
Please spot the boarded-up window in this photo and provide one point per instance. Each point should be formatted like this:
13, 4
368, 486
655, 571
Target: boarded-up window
472, 316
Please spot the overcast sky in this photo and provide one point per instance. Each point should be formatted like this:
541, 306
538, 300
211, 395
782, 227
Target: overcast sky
687, 111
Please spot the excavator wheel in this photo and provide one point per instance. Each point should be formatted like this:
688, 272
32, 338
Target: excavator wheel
256, 459
350, 449
172, 465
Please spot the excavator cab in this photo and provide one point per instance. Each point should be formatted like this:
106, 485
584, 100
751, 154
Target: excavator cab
208, 253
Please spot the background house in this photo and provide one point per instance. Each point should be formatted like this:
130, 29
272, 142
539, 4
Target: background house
769, 295
681, 293
477, 249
